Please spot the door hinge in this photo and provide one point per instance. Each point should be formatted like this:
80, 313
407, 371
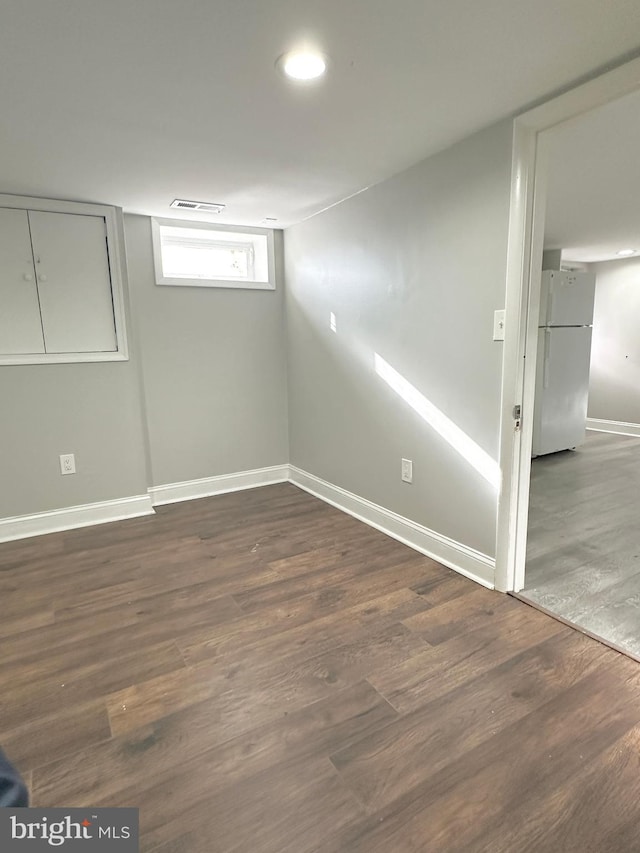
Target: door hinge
517, 417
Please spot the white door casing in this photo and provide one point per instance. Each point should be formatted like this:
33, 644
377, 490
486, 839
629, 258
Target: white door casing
522, 306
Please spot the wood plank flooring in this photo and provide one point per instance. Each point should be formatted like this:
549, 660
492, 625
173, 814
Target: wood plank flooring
583, 550
260, 673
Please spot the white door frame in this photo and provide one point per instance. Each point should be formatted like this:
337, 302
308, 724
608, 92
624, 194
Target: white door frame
524, 264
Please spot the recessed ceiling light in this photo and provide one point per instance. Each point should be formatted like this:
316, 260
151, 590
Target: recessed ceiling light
302, 64
626, 252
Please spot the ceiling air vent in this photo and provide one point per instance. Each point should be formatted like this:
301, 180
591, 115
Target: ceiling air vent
202, 206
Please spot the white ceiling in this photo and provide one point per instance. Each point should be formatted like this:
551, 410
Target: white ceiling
593, 197
137, 102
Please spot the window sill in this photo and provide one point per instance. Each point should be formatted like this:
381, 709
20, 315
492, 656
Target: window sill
217, 282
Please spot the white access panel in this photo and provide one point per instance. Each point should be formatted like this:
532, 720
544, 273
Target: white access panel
566, 298
562, 389
74, 284
20, 327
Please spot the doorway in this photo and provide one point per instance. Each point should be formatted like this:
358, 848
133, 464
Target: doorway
529, 207
583, 550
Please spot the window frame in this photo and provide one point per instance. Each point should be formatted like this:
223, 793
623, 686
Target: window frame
114, 241
235, 284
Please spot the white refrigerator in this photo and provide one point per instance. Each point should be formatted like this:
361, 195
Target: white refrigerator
564, 354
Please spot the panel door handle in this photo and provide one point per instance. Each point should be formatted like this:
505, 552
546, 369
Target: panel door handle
27, 276
42, 277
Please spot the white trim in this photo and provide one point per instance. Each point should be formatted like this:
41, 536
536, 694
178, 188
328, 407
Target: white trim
234, 284
85, 515
62, 357
526, 229
519, 371
219, 485
617, 427
516, 307
467, 561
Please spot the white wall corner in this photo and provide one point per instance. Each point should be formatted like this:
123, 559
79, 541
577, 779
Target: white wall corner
618, 427
53, 521
218, 485
467, 561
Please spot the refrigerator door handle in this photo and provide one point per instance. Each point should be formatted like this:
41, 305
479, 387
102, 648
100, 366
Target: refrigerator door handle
550, 315
545, 373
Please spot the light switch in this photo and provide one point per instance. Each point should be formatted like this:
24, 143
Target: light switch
498, 325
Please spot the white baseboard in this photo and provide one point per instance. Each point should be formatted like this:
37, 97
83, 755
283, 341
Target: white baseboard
467, 561
223, 483
618, 427
23, 526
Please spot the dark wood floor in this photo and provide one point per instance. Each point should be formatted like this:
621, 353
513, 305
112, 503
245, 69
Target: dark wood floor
260, 673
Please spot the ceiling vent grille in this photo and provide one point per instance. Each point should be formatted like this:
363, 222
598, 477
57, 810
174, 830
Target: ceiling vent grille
202, 206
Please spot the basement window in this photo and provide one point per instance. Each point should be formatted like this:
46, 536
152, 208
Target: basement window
199, 254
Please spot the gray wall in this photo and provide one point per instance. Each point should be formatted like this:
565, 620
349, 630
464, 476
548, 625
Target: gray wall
91, 410
413, 269
213, 368
614, 382
213, 402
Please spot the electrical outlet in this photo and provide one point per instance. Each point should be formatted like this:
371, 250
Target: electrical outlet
407, 471
67, 463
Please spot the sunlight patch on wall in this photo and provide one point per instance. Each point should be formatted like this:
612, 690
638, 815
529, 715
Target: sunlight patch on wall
478, 458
